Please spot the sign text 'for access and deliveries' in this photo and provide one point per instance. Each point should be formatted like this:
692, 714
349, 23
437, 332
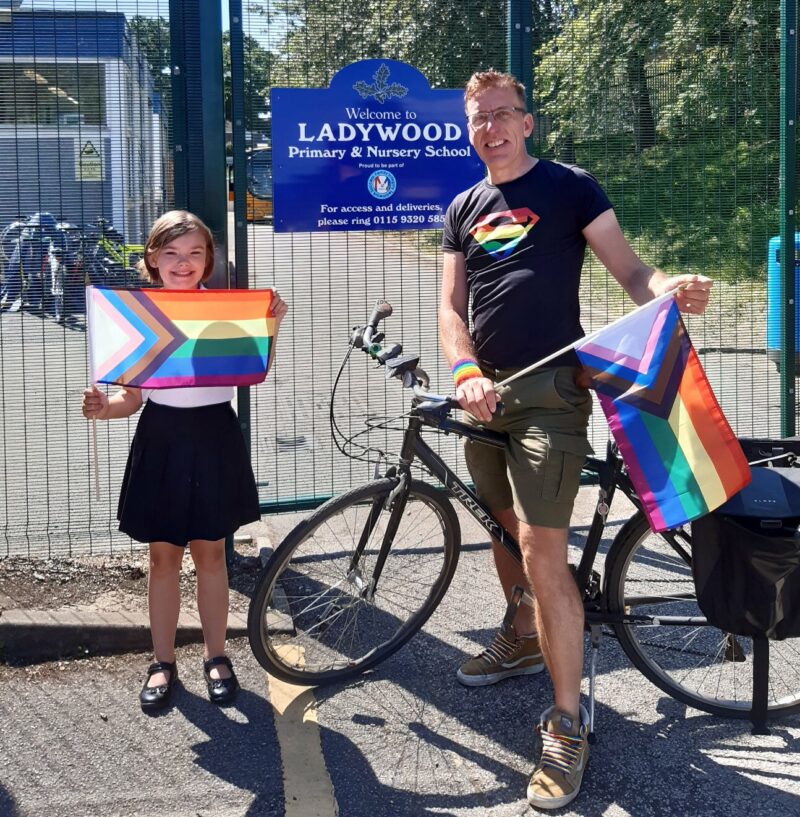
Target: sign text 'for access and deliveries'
378, 150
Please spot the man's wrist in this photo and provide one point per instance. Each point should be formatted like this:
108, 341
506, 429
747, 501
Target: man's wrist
465, 369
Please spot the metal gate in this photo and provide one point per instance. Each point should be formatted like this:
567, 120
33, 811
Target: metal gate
684, 112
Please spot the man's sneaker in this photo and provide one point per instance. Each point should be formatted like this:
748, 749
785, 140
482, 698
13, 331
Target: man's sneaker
508, 655
556, 780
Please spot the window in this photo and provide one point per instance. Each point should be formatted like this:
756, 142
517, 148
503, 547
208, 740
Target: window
52, 94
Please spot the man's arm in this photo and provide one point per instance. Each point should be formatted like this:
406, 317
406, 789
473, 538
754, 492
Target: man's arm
476, 395
641, 282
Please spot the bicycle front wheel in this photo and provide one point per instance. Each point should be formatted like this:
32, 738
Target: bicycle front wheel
695, 663
317, 616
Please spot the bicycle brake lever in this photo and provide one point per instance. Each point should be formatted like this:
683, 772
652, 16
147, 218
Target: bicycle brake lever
392, 352
398, 366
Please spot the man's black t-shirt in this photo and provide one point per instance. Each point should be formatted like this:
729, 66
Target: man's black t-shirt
524, 250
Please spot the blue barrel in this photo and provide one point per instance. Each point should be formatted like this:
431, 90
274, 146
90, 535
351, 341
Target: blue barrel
774, 334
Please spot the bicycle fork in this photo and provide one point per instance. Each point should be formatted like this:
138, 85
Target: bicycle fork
396, 500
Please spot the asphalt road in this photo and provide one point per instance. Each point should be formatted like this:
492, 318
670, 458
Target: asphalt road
405, 741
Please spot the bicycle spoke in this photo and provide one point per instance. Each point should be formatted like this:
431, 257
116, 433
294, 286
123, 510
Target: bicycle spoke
698, 664
339, 619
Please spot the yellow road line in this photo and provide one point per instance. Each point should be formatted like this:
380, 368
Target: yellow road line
307, 785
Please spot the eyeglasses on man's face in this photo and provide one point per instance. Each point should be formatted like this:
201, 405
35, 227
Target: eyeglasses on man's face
500, 115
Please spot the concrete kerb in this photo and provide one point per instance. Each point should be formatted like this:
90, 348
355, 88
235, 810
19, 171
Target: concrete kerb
47, 635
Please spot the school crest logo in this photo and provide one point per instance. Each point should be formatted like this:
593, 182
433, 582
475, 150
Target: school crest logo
500, 233
382, 184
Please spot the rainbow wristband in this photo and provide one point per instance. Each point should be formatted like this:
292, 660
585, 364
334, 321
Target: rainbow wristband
464, 370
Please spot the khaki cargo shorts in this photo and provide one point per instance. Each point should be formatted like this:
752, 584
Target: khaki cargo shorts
538, 474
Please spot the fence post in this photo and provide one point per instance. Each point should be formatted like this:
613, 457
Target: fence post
198, 129
519, 48
239, 198
787, 199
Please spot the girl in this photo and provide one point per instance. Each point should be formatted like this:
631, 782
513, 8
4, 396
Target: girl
188, 477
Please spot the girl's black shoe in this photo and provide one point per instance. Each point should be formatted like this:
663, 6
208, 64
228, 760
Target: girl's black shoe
155, 698
220, 690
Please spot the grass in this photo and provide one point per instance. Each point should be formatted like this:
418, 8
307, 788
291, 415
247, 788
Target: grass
697, 205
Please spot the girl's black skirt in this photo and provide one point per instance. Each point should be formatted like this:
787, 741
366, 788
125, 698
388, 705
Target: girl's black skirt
188, 476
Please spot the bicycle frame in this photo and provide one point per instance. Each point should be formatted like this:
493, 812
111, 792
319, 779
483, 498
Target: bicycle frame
611, 477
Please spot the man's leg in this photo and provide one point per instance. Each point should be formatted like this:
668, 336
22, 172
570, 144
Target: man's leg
514, 651
556, 780
559, 611
511, 573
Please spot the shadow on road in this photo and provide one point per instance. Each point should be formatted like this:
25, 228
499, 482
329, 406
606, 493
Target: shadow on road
242, 748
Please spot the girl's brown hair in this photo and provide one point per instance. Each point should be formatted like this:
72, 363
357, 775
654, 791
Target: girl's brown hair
168, 227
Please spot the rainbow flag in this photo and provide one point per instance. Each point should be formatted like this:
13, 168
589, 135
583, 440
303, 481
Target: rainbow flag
682, 457
162, 338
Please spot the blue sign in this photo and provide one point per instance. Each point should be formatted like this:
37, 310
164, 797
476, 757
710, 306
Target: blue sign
378, 150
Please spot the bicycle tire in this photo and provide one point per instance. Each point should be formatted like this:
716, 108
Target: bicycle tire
698, 665
310, 621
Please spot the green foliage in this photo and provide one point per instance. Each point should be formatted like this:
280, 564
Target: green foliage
705, 206
258, 63
657, 68
152, 36
445, 39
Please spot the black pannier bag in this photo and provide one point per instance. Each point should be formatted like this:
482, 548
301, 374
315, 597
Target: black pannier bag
746, 558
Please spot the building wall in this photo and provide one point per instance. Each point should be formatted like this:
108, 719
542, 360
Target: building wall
38, 162
38, 169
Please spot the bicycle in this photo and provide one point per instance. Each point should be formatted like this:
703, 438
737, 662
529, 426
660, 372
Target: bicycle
361, 575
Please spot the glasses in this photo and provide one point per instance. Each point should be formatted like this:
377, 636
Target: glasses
500, 115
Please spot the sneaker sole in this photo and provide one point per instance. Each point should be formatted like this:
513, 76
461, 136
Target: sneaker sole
549, 803
488, 680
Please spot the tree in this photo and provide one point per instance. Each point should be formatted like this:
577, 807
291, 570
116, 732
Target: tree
258, 63
445, 39
716, 61
152, 36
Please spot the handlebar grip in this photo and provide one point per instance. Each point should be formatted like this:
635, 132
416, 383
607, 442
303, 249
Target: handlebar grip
381, 310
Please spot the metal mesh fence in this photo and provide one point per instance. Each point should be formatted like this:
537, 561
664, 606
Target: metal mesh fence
673, 106
331, 280
85, 168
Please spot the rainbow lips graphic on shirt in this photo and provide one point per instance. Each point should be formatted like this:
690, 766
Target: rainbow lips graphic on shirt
499, 233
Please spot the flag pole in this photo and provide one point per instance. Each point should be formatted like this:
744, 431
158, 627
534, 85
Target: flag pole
584, 339
90, 364
96, 465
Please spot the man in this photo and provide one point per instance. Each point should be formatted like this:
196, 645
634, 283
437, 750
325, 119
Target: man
514, 244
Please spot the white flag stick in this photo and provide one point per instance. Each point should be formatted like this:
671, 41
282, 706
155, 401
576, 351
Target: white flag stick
90, 364
585, 339
96, 463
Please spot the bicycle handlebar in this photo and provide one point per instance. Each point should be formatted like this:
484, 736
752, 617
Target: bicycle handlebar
404, 367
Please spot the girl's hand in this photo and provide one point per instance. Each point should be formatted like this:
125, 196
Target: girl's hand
279, 310
95, 404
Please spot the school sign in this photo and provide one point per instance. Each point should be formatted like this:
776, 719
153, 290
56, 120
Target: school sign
378, 150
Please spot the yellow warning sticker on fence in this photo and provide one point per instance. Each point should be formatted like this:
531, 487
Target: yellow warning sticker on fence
88, 162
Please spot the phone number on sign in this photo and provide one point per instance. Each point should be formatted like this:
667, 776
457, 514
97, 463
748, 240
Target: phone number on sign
436, 218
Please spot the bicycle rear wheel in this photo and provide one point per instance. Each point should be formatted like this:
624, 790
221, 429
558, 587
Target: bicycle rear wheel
696, 664
313, 618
